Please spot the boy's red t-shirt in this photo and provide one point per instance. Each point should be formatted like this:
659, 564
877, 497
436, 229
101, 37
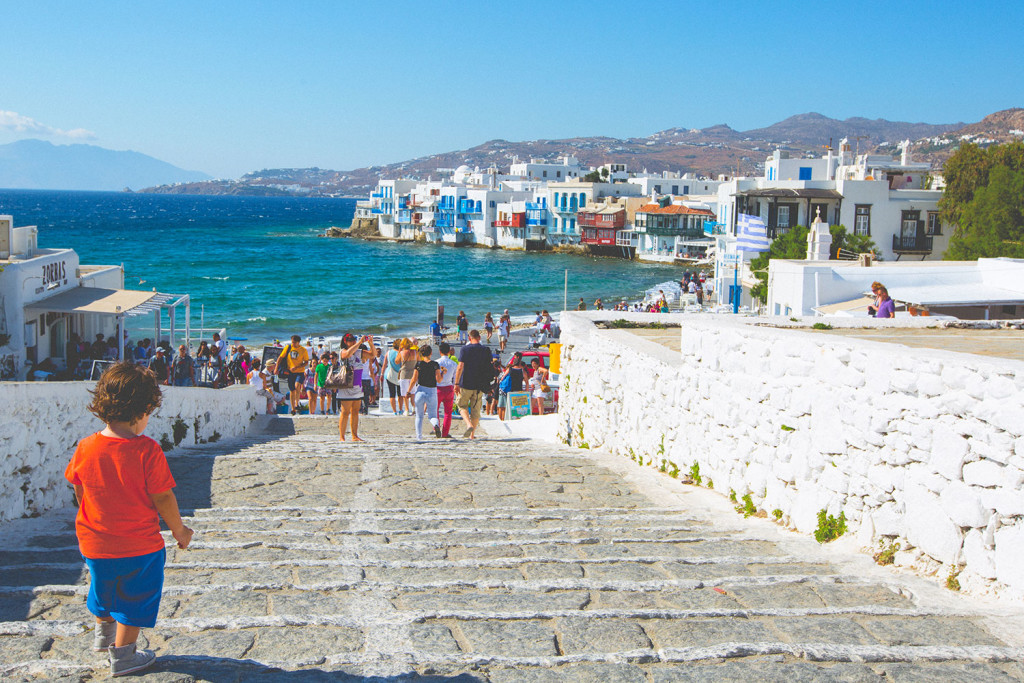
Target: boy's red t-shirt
116, 518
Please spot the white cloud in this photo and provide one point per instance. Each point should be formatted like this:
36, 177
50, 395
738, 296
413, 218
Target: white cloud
13, 121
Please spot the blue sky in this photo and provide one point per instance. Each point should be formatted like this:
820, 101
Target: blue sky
228, 87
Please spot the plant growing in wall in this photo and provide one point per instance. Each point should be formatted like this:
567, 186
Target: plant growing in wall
179, 429
829, 528
747, 508
165, 443
953, 581
711, 483
887, 552
695, 473
777, 514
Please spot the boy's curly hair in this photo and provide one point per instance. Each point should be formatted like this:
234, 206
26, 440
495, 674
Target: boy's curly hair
125, 393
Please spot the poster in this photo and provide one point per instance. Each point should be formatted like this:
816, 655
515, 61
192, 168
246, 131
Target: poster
518, 404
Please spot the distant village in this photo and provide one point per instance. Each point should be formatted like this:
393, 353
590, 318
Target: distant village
669, 217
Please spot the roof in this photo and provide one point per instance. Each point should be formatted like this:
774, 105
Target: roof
791, 193
843, 307
604, 210
975, 294
674, 209
96, 300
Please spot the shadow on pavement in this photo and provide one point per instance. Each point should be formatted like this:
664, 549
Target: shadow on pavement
223, 670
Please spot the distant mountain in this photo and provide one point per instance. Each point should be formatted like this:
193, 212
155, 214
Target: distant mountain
41, 165
710, 151
816, 128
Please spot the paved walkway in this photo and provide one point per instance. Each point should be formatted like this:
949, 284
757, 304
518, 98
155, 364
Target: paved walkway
506, 560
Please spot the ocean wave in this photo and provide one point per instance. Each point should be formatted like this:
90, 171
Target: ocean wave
214, 277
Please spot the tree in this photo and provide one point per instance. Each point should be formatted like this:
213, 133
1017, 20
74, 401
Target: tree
793, 245
841, 239
987, 229
592, 177
992, 223
604, 171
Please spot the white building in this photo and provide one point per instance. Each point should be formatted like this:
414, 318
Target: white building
672, 183
969, 290
47, 296
538, 169
565, 199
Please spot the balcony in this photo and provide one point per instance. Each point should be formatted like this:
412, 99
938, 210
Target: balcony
377, 195
911, 244
536, 206
403, 216
687, 233
469, 206
569, 208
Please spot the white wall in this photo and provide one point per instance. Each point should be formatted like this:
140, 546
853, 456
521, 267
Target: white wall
43, 422
924, 447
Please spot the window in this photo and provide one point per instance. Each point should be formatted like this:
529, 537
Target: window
558, 174
783, 219
908, 224
675, 189
657, 188
686, 189
934, 224
545, 174
862, 220
805, 173
492, 204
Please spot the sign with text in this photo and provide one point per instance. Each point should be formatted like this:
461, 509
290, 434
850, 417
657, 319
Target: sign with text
518, 404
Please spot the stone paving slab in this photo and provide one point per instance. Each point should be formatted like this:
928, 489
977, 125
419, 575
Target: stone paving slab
501, 560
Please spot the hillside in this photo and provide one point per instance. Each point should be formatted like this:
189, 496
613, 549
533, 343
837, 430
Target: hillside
41, 165
710, 151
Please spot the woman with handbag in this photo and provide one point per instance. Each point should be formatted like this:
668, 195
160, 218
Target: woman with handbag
349, 387
539, 387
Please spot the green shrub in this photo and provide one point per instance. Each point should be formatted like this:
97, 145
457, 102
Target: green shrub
787, 428
711, 483
747, 509
673, 470
887, 553
732, 495
829, 527
821, 326
695, 473
777, 513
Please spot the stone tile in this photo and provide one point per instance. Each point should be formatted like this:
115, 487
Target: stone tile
552, 571
493, 601
701, 598
782, 595
600, 635
840, 630
705, 632
309, 603
229, 644
581, 673
624, 571
223, 604
433, 638
855, 595
510, 638
946, 672
730, 671
927, 631
303, 643
14, 649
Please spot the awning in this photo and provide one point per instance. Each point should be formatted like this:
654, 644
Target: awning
102, 301
791, 193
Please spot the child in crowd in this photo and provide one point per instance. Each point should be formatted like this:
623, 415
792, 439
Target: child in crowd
123, 486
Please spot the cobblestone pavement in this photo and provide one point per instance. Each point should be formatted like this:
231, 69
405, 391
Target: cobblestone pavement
503, 560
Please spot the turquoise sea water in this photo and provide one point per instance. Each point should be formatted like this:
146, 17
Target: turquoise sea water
257, 267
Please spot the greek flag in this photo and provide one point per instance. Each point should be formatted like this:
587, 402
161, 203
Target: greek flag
751, 234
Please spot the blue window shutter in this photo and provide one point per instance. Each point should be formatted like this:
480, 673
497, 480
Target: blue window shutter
805, 173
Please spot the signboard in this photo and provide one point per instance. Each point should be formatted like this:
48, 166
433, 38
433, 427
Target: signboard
731, 259
518, 404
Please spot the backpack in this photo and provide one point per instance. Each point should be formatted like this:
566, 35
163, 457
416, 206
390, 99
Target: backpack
235, 370
506, 382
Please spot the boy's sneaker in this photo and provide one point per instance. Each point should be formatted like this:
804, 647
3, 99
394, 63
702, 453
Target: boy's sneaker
103, 636
437, 431
126, 660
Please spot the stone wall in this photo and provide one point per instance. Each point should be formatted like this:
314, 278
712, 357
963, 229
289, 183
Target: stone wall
921, 447
43, 422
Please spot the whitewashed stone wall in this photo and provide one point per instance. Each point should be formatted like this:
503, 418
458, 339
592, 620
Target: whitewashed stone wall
918, 446
43, 421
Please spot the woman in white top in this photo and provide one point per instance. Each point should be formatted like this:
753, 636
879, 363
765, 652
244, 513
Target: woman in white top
538, 387
258, 378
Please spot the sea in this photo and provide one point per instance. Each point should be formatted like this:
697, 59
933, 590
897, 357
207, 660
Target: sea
258, 267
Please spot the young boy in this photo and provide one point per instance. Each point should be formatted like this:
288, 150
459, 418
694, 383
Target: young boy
122, 482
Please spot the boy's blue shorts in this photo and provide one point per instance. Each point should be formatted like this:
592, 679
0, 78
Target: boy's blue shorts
127, 588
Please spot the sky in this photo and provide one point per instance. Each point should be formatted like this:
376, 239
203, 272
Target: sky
230, 87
